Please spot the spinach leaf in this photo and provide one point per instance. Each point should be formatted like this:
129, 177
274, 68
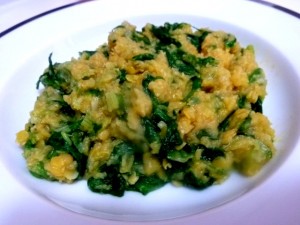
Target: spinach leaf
187, 63
145, 84
244, 127
30, 144
151, 131
192, 181
65, 108
140, 37
160, 114
143, 57
176, 60
87, 54
181, 156
207, 61
257, 75
146, 184
198, 62
163, 33
197, 39
242, 101
105, 50
94, 92
196, 85
67, 139
172, 138
38, 171
224, 124
113, 183
56, 77
209, 154
122, 75
258, 105
124, 148
206, 133
230, 41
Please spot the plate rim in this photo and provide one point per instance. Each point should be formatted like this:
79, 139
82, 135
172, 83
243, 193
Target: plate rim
53, 10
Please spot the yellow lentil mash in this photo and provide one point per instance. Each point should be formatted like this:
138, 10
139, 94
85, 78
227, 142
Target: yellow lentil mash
167, 104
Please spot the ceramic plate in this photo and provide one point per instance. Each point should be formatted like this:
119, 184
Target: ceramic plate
24, 53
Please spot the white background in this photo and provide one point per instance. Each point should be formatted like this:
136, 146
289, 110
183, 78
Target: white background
20, 206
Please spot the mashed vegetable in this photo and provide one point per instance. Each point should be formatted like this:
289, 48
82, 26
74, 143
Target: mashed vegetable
165, 104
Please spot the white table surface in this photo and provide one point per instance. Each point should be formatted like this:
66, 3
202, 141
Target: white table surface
18, 206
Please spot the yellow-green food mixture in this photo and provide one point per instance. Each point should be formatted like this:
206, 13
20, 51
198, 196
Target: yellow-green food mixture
167, 104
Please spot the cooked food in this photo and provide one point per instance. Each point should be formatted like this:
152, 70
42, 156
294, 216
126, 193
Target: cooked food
167, 104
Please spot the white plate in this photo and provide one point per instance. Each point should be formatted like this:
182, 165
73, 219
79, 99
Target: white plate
23, 57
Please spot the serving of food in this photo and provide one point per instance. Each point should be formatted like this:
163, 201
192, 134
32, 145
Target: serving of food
167, 104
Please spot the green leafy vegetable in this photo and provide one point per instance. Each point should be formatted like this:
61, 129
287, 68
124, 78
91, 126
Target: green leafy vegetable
257, 76
196, 85
198, 62
206, 133
145, 84
124, 148
181, 156
242, 101
94, 92
86, 54
147, 184
230, 41
122, 76
244, 127
224, 124
67, 139
151, 131
172, 138
191, 180
39, 171
258, 105
140, 37
160, 114
176, 60
113, 183
210, 154
164, 33
143, 57
57, 77
198, 38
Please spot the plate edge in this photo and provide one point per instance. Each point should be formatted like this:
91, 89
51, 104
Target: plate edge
30, 19
16, 26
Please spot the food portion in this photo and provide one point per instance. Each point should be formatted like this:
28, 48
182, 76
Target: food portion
167, 104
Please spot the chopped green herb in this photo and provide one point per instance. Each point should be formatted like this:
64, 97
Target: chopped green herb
230, 41
143, 57
140, 37
86, 54
196, 85
197, 39
242, 101
56, 77
257, 76
244, 127
122, 75
257, 106
210, 154
164, 35
113, 183
147, 184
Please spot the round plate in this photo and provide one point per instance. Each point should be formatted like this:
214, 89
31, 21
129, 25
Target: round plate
86, 26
